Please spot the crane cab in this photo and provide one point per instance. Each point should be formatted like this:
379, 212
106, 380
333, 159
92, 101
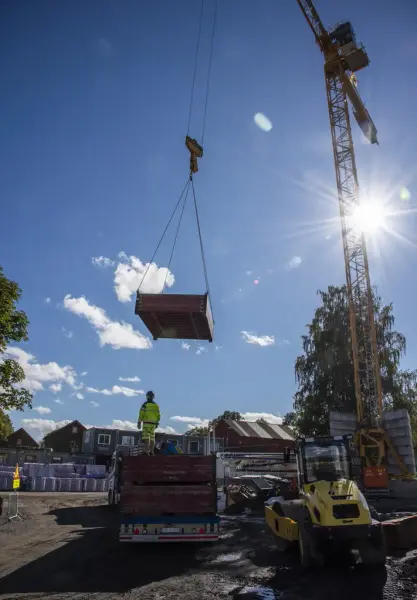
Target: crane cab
353, 55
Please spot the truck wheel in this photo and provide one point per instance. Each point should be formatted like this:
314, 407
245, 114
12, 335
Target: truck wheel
306, 558
373, 554
309, 554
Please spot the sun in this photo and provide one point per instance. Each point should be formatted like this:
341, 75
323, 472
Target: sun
369, 218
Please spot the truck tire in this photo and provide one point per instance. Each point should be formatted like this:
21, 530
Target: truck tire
304, 546
373, 554
309, 553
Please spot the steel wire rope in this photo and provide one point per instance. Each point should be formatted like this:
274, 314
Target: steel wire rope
195, 67
176, 235
203, 258
187, 185
209, 71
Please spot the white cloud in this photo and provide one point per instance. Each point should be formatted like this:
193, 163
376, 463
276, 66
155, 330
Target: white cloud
59, 401
262, 122
47, 300
293, 263
134, 379
127, 425
201, 350
259, 340
55, 387
83, 374
129, 274
115, 334
38, 374
79, 396
67, 333
116, 390
94, 404
218, 347
249, 272
42, 410
102, 262
268, 417
192, 421
167, 429
40, 427
185, 346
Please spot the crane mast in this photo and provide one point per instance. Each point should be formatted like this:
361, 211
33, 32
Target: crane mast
343, 57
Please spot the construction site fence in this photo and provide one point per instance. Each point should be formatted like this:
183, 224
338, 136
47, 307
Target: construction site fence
13, 506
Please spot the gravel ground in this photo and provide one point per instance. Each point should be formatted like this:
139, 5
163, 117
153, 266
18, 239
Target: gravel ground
65, 548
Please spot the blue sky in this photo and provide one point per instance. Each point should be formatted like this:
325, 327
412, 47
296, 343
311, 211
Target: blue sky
94, 109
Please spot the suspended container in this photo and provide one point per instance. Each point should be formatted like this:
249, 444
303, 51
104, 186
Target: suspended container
176, 316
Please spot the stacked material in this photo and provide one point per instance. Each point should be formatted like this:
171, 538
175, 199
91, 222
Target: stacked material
6, 481
95, 470
65, 477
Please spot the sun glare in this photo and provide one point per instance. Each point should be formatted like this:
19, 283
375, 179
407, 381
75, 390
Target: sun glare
369, 218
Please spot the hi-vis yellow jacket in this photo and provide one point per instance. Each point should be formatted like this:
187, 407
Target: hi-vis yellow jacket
149, 413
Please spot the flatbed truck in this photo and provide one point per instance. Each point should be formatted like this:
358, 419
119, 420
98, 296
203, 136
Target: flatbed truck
164, 498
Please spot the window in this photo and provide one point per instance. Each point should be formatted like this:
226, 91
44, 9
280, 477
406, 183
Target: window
87, 437
30, 458
75, 429
104, 439
128, 440
18, 442
193, 447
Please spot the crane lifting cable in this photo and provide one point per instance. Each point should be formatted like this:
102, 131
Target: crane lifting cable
183, 316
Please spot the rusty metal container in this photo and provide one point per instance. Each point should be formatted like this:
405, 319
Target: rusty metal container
164, 500
176, 316
143, 470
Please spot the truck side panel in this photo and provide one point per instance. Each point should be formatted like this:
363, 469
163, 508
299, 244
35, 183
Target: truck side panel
169, 469
155, 500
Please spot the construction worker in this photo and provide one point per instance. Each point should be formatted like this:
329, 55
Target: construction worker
149, 416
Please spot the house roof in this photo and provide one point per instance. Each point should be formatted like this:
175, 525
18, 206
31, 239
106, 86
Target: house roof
269, 431
75, 422
27, 437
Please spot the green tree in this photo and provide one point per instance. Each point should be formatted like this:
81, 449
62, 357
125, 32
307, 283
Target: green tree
262, 421
324, 372
197, 431
13, 328
6, 425
228, 414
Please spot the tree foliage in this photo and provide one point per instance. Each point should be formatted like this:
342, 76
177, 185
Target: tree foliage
197, 431
324, 372
13, 328
262, 421
6, 425
228, 414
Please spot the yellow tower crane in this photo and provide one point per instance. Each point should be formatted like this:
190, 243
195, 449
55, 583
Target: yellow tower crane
343, 57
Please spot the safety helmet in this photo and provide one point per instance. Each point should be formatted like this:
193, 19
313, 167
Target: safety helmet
150, 395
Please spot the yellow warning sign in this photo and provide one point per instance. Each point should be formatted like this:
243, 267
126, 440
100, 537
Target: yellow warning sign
16, 478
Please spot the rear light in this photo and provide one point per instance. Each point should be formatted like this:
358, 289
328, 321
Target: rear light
145, 531
201, 530
137, 531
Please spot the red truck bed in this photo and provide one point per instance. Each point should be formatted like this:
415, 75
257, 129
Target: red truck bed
168, 485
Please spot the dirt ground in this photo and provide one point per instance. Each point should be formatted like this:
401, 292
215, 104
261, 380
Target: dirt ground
65, 548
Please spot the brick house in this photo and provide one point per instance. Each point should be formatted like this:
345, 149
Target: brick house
246, 436
21, 439
66, 439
